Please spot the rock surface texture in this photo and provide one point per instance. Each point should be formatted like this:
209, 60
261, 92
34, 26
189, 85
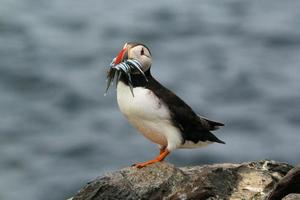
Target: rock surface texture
251, 180
289, 184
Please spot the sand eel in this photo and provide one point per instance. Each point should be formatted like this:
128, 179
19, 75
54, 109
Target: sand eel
158, 113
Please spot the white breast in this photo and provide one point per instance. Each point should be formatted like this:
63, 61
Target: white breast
149, 115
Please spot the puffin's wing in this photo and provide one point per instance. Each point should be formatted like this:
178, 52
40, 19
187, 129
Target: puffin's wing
182, 115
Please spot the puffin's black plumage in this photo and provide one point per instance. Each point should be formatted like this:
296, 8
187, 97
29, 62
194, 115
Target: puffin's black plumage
193, 127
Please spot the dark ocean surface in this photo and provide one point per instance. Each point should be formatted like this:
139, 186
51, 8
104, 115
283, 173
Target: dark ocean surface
237, 62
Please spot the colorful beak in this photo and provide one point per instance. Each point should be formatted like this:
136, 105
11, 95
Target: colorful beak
120, 56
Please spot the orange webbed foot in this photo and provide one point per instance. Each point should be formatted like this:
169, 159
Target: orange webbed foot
163, 154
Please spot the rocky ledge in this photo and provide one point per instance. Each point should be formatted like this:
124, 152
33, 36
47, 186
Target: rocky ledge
251, 180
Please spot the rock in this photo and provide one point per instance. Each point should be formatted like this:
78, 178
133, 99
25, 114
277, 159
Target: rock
292, 197
251, 180
288, 184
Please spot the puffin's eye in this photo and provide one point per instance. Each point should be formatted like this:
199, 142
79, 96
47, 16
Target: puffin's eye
142, 51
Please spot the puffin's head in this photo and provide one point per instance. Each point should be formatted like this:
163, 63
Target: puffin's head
133, 59
135, 51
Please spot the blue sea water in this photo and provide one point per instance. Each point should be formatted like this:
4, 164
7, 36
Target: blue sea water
237, 62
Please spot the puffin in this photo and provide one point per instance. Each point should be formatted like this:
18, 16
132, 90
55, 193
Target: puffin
154, 110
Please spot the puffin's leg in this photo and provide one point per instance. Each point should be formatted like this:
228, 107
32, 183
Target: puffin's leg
163, 154
161, 149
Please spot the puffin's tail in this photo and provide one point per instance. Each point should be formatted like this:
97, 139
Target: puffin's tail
214, 124
215, 139
211, 137
210, 124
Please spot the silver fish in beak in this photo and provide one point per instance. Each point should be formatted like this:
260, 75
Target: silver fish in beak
126, 67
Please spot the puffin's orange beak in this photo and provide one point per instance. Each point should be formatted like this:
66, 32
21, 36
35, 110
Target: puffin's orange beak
120, 56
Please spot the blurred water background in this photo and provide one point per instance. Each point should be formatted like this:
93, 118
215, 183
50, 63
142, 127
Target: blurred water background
233, 61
